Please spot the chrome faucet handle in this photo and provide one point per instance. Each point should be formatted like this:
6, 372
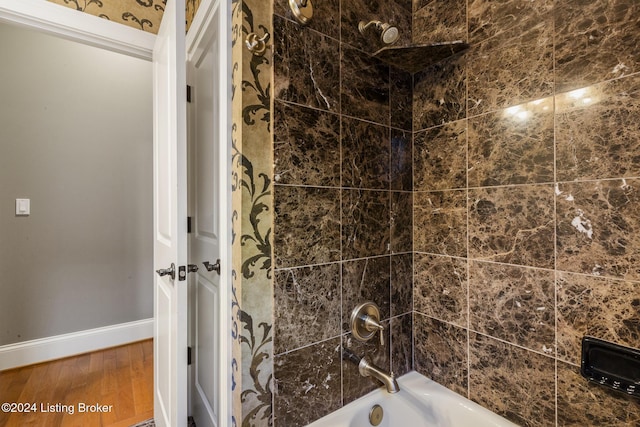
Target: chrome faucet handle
365, 322
374, 326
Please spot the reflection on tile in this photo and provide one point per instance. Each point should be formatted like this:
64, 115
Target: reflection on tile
488, 18
515, 304
439, 93
306, 226
440, 21
512, 225
597, 228
307, 306
605, 308
440, 222
365, 223
355, 385
440, 288
312, 389
440, 157
365, 280
581, 403
366, 150
512, 146
365, 86
597, 134
401, 103
401, 222
513, 382
441, 353
596, 40
326, 16
510, 69
306, 66
401, 284
401, 163
401, 344
306, 146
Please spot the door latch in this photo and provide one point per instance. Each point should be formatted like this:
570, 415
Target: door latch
182, 271
212, 267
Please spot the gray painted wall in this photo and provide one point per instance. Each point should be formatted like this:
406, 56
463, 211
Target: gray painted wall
75, 138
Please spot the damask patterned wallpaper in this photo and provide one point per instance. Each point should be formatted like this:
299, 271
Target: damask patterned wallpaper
144, 15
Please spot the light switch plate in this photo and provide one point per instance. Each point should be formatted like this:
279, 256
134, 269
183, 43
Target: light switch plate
23, 207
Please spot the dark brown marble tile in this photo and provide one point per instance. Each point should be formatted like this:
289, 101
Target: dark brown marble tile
401, 99
513, 225
488, 18
401, 222
401, 160
306, 66
515, 304
439, 93
512, 146
597, 131
365, 223
307, 306
401, 284
306, 146
306, 226
440, 222
581, 403
605, 308
441, 352
597, 228
355, 385
402, 344
596, 40
366, 153
515, 383
438, 21
440, 288
364, 86
366, 280
326, 16
400, 16
307, 384
440, 157
511, 69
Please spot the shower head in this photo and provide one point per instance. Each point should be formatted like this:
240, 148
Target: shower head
388, 33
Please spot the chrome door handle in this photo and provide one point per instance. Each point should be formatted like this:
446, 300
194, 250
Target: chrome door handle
212, 267
171, 271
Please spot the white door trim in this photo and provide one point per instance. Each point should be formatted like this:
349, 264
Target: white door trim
201, 25
65, 22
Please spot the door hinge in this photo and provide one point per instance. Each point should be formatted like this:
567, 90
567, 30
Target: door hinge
188, 93
189, 355
188, 224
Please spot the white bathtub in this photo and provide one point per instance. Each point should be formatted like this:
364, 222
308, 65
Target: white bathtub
420, 402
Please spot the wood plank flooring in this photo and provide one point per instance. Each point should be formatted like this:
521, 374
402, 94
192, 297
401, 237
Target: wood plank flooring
108, 388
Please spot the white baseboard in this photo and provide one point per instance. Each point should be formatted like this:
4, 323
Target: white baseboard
59, 346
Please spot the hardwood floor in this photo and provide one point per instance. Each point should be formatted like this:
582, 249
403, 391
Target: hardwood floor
65, 392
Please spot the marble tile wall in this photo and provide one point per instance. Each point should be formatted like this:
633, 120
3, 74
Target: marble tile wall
342, 232
526, 200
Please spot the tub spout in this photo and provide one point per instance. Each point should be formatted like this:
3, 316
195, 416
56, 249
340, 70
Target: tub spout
368, 369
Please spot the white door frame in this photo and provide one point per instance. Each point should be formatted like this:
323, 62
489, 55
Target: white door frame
65, 22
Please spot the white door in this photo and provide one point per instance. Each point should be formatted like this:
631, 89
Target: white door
208, 206
170, 219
